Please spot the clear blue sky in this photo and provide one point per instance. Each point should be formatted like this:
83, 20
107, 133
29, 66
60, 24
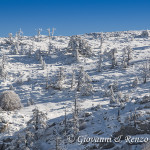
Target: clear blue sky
72, 17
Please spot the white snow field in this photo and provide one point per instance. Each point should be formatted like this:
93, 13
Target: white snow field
114, 101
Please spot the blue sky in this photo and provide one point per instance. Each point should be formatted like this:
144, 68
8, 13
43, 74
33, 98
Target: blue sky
71, 17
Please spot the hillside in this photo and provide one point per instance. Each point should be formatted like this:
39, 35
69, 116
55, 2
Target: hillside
113, 99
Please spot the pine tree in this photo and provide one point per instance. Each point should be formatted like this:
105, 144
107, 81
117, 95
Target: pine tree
3, 60
124, 63
20, 33
11, 87
144, 34
60, 79
65, 123
145, 72
49, 33
32, 48
101, 41
10, 38
39, 34
77, 55
37, 55
73, 79
75, 117
43, 65
100, 63
41, 59
113, 57
16, 48
50, 48
76, 43
129, 53
37, 124
81, 79
84, 83
112, 98
135, 82
3, 72
47, 80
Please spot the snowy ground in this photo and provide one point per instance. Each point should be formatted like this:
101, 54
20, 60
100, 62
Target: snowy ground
53, 102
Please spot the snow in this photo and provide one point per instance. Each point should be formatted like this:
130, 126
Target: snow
29, 81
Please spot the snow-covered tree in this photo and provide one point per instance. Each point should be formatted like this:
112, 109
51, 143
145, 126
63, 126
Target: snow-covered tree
31, 49
53, 30
41, 59
49, 33
84, 83
73, 80
129, 53
145, 72
118, 116
30, 100
113, 57
10, 38
114, 86
3, 72
60, 79
127, 56
50, 48
100, 63
76, 43
120, 96
3, 60
76, 117
126, 98
23, 141
47, 80
16, 48
135, 82
43, 65
37, 124
16, 37
37, 55
81, 79
112, 98
38, 121
144, 34
124, 62
101, 41
11, 87
76, 55
57, 143
39, 34
65, 122
20, 33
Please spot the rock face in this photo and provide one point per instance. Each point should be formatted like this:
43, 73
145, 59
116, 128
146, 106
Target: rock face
9, 101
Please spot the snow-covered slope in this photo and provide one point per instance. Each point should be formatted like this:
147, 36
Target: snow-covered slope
28, 79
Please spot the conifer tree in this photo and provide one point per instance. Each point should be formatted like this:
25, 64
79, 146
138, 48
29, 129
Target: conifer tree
112, 98
84, 83
100, 63
113, 57
73, 79
145, 72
